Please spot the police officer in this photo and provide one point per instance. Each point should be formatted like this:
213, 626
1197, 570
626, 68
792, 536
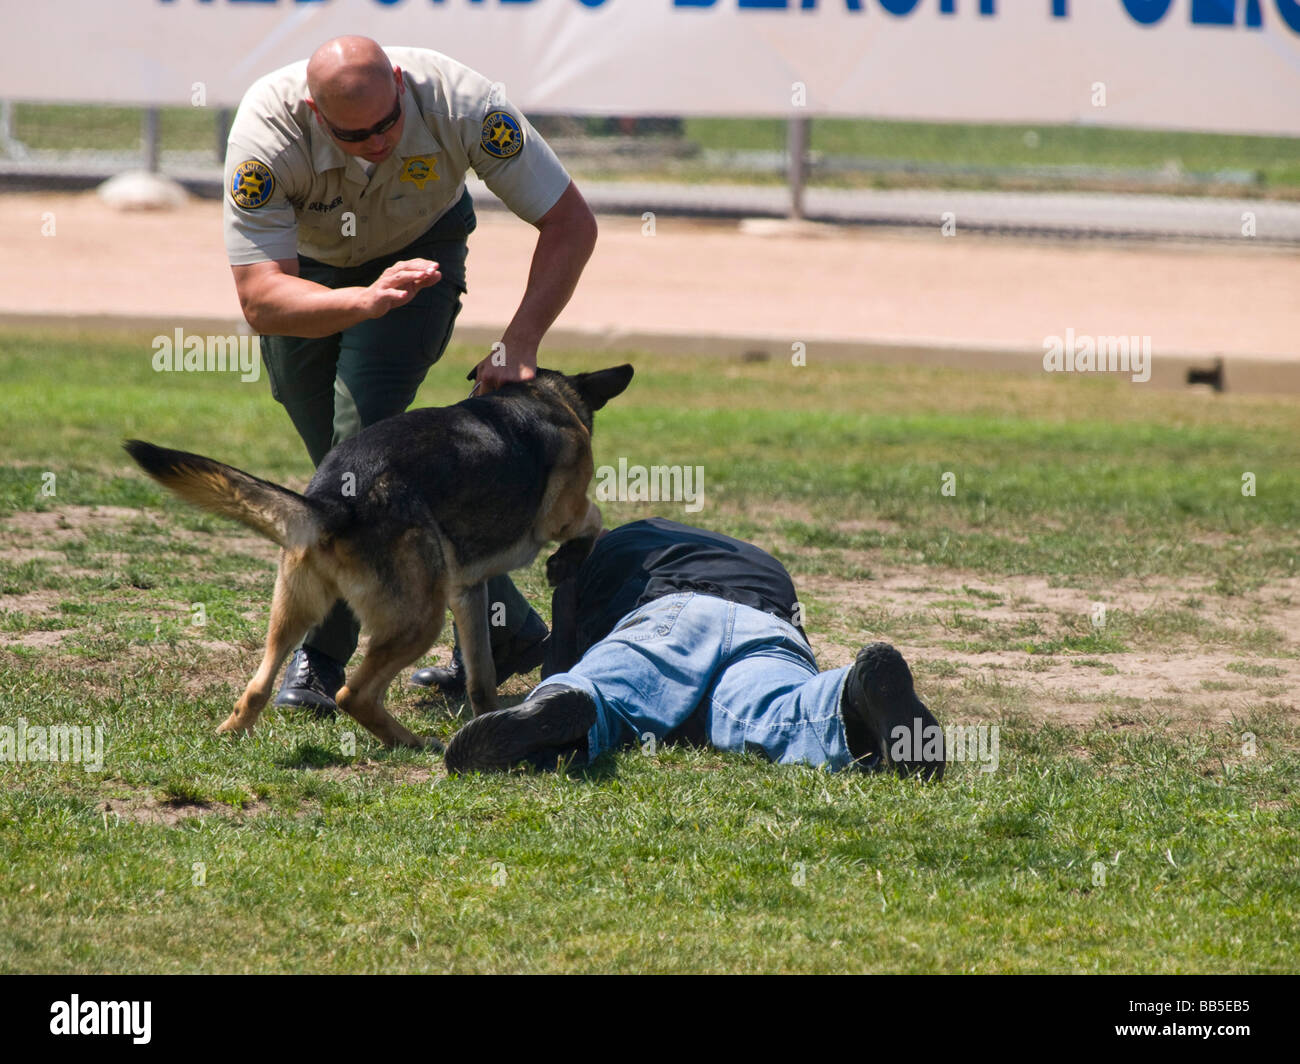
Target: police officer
346, 218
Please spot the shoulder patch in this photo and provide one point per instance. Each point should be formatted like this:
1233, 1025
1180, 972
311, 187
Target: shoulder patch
252, 184
502, 136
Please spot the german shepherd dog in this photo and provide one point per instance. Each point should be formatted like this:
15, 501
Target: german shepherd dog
409, 517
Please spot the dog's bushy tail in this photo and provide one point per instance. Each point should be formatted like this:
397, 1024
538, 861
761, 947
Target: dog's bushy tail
277, 513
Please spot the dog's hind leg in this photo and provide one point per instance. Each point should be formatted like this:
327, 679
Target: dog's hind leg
362, 698
416, 624
470, 608
299, 602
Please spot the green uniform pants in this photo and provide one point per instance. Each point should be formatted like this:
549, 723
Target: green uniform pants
335, 386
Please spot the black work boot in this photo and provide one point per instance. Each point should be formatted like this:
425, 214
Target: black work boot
886, 724
311, 682
540, 731
521, 653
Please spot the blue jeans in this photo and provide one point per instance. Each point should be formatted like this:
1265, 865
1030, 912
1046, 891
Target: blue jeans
751, 676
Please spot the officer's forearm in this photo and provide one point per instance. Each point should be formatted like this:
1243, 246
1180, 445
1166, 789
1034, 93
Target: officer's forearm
566, 237
283, 305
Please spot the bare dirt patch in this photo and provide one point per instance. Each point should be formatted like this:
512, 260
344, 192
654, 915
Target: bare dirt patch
21, 555
65, 519
38, 640
35, 603
413, 775
1070, 689
149, 809
771, 513
1187, 679
20, 532
57, 529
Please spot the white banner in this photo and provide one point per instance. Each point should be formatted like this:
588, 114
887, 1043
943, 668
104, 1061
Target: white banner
1226, 65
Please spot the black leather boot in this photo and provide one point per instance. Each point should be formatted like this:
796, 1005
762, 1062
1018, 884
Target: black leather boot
540, 731
311, 682
522, 653
886, 724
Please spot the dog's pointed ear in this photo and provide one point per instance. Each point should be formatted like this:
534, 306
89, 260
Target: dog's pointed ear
600, 387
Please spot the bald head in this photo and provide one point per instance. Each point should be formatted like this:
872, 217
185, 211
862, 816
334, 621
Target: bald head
349, 73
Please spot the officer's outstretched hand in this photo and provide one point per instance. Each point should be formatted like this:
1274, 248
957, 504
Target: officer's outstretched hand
398, 284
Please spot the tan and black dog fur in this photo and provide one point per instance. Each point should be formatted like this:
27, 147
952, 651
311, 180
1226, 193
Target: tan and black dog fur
408, 518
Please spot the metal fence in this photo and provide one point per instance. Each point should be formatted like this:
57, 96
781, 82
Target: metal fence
1068, 181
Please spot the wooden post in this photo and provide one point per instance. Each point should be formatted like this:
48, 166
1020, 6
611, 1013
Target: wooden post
152, 148
797, 167
223, 132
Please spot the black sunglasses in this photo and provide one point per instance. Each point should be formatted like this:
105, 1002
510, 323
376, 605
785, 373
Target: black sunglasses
355, 136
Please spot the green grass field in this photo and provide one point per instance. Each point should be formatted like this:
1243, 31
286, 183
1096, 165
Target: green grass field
1267, 165
1143, 816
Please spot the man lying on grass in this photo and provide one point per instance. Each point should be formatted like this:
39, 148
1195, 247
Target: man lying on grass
673, 632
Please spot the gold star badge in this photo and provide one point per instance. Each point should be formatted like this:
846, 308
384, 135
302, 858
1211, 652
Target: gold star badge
503, 137
419, 169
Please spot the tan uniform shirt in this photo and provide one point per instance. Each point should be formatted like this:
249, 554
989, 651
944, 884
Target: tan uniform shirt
291, 190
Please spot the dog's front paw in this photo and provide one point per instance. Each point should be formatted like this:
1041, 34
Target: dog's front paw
232, 725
